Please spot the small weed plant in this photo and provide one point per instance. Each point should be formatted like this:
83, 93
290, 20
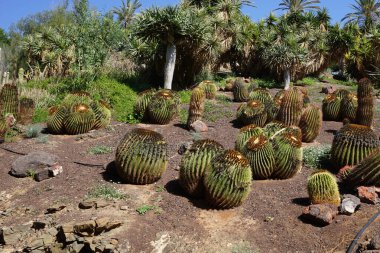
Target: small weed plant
317, 157
100, 150
106, 192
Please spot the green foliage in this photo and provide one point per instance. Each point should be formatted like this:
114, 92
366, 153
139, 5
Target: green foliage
317, 157
33, 131
322, 188
144, 209
40, 115
183, 116
106, 192
307, 81
99, 150
214, 111
185, 96
267, 83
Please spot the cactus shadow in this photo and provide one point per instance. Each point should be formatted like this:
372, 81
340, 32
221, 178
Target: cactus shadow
236, 124
331, 131
182, 126
109, 174
301, 201
309, 221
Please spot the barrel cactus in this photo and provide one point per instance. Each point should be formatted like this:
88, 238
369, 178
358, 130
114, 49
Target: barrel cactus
26, 111
9, 99
291, 107
352, 143
323, 188
311, 123
331, 107
102, 114
260, 154
196, 108
273, 127
76, 98
277, 101
141, 104
365, 112
264, 97
244, 134
227, 180
341, 93
240, 91
141, 157
252, 112
163, 107
287, 147
194, 163
80, 119
229, 86
56, 119
367, 172
349, 106
209, 88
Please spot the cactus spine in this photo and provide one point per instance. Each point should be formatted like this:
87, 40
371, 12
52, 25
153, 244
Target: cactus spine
273, 127
322, 188
56, 118
9, 99
102, 114
311, 123
349, 106
365, 113
194, 163
197, 106
141, 105
141, 157
227, 180
331, 107
367, 172
244, 134
252, 112
291, 107
240, 91
80, 119
26, 111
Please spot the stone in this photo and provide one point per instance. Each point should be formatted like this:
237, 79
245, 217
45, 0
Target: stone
328, 89
52, 231
113, 224
67, 228
374, 244
42, 175
76, 247
320, 214
55, 170
85, 228
8, 236
69, 237
199, 126
32, 162
368, 194
87, 204
184, 146
124, 208
101, 224
349, 205
101, 204
35, 244
54, 209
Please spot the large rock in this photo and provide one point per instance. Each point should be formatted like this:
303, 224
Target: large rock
33, 163
368, 194
321, 214
328, 89
199, 126
350, 204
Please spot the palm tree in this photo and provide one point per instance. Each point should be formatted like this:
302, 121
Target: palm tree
366, 13
126, 11
293, 6
171, 27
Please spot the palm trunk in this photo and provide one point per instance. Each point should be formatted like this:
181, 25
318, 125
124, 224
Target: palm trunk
287, 79
171, 53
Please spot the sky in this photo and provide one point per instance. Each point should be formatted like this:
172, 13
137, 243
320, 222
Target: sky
13, 10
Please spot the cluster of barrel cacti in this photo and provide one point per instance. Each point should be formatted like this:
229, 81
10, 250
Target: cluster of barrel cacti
340, 105
77, 114
157, 107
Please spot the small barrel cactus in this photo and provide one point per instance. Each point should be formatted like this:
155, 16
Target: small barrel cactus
141, 157
273, 127
331, 107
26, 111
367, 172
244, 134
102, 114
227, 180
229, 86
209, 88
349, 106
323, 188
352, 143
141, 105
194, 163
287, 147
260, 154
9, 99
252, 112
291, 107
341, 93
311, 123
163, 107
240, 91
197, 105
80, 119
264, 97
365, 112
56, 119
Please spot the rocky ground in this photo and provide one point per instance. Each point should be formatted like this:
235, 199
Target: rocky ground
86, 209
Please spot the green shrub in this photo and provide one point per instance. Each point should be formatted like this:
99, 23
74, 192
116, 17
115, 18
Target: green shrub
100, 149
33, 131
105, 192
307, 81
317, 157
267, 83
185, 96
40, 115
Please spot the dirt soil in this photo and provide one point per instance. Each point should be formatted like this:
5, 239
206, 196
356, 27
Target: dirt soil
269, 221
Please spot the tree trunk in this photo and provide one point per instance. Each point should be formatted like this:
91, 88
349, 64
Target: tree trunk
287, 79
171, 53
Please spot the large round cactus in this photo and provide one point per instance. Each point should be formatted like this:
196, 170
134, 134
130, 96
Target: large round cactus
352, 143
331, 107
80, 119
311, 123
287, 146
142, 101
264, 96
209, 88
76, 98
141, 157
102, 114
291, 107
194, 162
240, 91
273, 127
252, 112
197, 105
260, 154
365, 112
56, 119
163, 107
9, 99
322, 188
227, 180
349, 106
367, 172
244, 134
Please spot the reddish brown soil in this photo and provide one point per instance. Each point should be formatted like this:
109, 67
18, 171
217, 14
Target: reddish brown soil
269, 221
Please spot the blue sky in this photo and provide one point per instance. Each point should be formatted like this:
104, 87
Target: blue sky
13, 10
